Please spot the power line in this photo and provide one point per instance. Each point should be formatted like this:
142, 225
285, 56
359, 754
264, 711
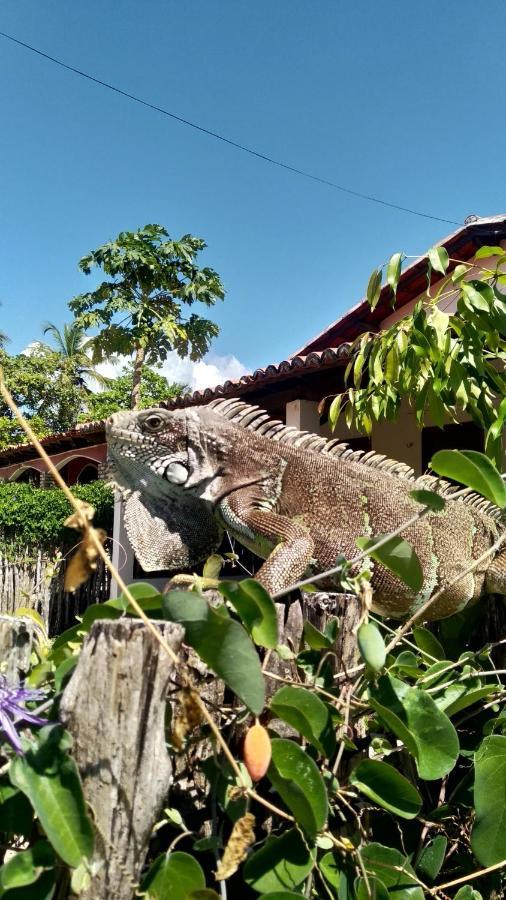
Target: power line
226, 140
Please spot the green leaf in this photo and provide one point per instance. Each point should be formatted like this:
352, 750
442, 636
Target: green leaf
298, 782
469, 698
316, 639
374, 288
488, 837
430, 499
438, 258
26, 866
281, 895
330, 865
204, 894
468, 893
372, 889
305, 712
385, 785
42, 889
173, 875
281, 864
49, 778
431, 858
371, 646
394, 271
486, 251
98, 611
428, 642
414, 718
335, 409
458, 273
472, 469
67, 666
221, 643
397, 556
140, 590
256, 609
383, 862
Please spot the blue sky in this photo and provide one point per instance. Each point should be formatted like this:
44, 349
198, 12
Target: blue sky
403, 101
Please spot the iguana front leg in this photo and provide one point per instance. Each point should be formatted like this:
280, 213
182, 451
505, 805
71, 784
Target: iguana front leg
290, 545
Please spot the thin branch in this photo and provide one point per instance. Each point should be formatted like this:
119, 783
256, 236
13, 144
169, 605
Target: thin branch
478, 874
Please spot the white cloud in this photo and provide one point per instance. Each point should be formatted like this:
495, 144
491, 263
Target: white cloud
208, 372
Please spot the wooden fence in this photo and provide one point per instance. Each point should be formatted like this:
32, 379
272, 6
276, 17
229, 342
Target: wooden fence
30, 578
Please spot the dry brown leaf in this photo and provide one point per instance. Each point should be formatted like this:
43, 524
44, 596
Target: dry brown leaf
84, 560
78, 520
242, 837
188, 716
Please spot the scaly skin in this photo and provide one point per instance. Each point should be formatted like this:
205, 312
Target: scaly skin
188, 474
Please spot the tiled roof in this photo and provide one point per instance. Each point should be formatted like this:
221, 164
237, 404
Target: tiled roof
75, 436
297, 364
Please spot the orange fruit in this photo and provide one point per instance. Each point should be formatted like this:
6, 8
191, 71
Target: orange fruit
256, 752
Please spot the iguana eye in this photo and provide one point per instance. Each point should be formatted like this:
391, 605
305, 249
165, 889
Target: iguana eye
153, 423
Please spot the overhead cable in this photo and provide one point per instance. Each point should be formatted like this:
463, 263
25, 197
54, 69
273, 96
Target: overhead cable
225, 140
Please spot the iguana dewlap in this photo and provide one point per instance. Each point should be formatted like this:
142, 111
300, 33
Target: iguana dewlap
294, 498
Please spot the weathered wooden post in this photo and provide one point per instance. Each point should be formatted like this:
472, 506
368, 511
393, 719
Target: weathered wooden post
318, 608
114, 707
16, 639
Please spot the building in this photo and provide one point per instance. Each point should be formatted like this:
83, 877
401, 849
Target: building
291, 390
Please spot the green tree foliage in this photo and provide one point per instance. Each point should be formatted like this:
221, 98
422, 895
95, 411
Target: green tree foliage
442, 363
154, 389
31, 380
140, 308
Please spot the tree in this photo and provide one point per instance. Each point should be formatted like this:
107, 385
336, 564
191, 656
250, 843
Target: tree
73, 373
49, 385
75, 351
442, 363
154, 389
30, 378
139, 309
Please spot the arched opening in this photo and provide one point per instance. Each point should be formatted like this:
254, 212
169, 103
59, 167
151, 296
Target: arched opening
27, 475
79, 470
89, 473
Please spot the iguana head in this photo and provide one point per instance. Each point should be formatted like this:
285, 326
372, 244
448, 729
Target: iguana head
168, 473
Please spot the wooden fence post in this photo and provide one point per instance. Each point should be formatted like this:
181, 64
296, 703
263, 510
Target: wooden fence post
114, 707
16, 639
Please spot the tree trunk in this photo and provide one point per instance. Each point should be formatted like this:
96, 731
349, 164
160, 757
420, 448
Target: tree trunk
140, 354
114, 708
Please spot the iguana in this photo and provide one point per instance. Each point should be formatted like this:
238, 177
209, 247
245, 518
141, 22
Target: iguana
296, 499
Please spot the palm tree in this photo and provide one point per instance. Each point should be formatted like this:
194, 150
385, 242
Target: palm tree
71, 352
75, 351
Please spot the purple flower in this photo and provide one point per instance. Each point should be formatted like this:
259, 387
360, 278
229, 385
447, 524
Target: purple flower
11, 711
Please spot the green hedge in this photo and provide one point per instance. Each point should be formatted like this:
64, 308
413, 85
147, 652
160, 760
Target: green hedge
33, 517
